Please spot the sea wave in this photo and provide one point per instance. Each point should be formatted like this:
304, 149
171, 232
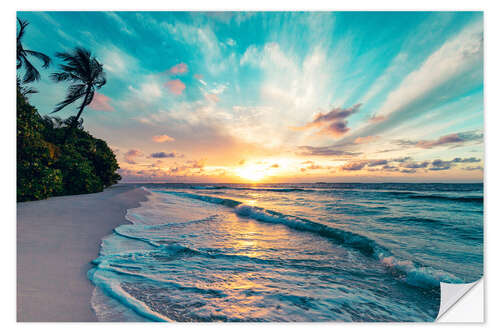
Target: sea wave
111, 286
475, 199
404, 194
405, 270
263, 189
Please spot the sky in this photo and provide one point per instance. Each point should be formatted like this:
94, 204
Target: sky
278, 96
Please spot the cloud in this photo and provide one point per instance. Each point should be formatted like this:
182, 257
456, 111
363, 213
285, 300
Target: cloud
354, 166
162, 138
435, 165
212, 97
438, 165
377, 163
101, 102
197, 36
455, 57
131, 155
335, 114
336, 129
401, 159
455, 139
404, 165
444, 140
415, 165
390, 168
188, 167
324, 151
452, 70
162, 154
408, 170
116, 62
180, 68
275, 165
176, 86
333, 122
365, 139
196, 164
377, 119
123, 26
466, 160
148, 91
312, 166
473, 168
269, 57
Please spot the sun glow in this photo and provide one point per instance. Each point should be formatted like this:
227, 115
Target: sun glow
253, 173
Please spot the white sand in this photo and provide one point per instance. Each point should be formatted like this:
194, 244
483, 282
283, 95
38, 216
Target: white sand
57, 239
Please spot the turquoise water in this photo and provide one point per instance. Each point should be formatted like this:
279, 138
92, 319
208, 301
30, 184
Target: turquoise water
293, 252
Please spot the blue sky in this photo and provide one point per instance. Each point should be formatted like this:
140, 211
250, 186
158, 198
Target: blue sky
272, 96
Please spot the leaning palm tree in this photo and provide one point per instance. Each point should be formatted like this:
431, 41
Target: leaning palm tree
31, 73
86, 75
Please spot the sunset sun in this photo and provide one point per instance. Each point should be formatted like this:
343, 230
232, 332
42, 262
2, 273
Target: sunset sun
253, 173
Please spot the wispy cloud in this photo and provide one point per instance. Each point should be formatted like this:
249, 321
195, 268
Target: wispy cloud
121, 23
333, 122
148, 90
354, 166
176, 86
180, 68
407, 165
162, 138
101, 102
131, 155
455, 68
455, 139
162, 154
324, 151
366, 139
117, 62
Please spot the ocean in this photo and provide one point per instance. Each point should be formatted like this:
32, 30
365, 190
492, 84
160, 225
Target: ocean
290, 252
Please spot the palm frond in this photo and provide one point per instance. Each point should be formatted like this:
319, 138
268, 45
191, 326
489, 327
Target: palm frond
85, 71
43, 57
65, 76
31, 74
60, 76
28, 90
75, 92
22, 28
77, 62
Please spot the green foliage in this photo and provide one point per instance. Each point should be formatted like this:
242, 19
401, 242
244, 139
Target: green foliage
46, 167
79, 174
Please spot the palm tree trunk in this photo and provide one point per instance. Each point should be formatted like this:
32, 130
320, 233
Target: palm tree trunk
75, 120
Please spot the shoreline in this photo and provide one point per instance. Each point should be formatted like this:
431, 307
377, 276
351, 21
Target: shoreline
57, 239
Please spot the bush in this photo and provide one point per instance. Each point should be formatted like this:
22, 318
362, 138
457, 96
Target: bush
79, 175
47, 167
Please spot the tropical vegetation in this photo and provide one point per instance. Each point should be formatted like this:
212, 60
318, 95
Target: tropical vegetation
57, 156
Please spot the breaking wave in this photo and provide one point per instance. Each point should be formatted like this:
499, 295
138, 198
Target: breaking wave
406, 270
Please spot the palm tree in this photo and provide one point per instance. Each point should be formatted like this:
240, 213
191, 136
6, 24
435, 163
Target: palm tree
86, 75
31, 73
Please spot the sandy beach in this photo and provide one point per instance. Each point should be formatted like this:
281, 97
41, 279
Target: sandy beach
57, 239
